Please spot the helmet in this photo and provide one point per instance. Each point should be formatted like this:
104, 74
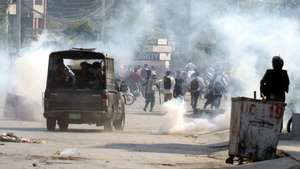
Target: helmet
277, 62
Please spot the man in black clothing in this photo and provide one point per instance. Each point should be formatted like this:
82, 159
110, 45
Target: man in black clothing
178, 85
275, 82
149, 85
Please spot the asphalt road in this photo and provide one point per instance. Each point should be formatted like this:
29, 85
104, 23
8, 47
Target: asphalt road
139, 146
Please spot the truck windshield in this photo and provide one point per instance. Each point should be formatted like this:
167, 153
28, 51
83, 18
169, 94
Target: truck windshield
77, 74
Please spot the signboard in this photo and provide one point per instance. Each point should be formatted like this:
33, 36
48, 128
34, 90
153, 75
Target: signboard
255, 128
162, 42
12, 9
165, 56
162, 49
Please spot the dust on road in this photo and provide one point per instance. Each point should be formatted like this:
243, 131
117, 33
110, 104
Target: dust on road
136, 147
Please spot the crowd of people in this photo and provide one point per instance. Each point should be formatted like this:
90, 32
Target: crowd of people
209, 85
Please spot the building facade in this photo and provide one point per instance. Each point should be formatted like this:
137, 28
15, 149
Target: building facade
3, 22
26, 20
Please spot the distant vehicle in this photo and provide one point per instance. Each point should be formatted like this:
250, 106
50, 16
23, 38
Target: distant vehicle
81, 89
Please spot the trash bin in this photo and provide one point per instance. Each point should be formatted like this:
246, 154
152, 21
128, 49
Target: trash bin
254, 129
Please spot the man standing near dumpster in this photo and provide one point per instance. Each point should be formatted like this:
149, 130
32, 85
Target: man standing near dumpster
275, 82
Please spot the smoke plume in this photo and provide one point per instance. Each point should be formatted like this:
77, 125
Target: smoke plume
206, 32
247, 40
24, 78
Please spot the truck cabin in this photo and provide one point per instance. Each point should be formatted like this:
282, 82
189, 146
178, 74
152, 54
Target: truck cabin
79, 69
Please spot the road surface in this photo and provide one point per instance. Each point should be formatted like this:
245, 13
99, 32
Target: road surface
139, 146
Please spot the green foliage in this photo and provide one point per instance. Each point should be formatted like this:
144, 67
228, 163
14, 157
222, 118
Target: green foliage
80, 32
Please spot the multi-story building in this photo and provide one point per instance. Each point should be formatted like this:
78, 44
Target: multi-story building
39, 17
3, 22
26, 20
271, 5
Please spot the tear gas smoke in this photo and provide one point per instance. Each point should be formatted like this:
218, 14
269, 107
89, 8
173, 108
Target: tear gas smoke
26, 80
126, 32
245, 40
4, 72
174, 118
175, 122
252, 40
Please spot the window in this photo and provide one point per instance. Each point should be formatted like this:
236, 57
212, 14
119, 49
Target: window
12, 1
38, 2
40, 23
77, 74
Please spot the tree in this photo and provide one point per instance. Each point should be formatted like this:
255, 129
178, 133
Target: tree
80, 32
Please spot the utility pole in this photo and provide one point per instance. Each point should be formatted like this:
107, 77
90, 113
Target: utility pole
45, 14
105, 10
3, 23
103, 19
19, 25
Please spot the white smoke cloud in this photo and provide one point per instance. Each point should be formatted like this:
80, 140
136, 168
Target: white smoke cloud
248, 41
175, 120
5, 76
27, 81
124, 33
28, 72
252, 40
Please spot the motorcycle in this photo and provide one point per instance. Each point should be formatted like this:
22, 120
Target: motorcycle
129, 98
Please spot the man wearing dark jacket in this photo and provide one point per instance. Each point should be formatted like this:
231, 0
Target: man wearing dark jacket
275, 82
149, 84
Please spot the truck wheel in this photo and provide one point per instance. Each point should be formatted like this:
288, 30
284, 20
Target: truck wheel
51, 122
129, 98
63, 124
108, 126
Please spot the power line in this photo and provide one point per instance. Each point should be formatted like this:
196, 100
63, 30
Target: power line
68, 12
73, 13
